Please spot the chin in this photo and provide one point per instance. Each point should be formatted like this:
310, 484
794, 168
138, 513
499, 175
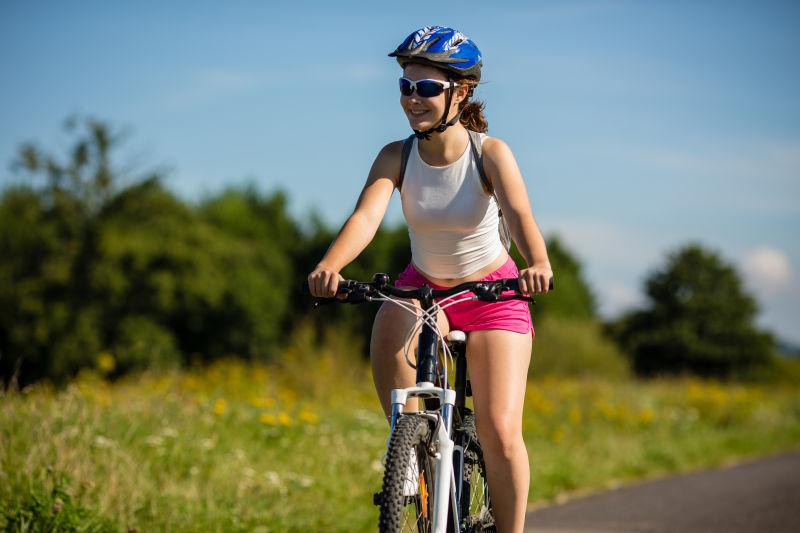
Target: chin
419, 124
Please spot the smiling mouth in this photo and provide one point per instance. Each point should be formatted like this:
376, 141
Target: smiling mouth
418, 113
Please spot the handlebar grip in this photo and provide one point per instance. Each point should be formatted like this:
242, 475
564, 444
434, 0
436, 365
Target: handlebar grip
513, 284
343, 284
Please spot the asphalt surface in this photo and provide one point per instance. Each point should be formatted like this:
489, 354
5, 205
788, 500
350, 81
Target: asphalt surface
757, 496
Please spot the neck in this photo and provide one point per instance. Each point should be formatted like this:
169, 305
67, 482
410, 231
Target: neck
449, 141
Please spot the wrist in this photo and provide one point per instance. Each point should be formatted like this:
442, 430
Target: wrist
322, 265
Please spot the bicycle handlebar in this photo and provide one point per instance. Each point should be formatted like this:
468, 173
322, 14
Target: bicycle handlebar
360, 291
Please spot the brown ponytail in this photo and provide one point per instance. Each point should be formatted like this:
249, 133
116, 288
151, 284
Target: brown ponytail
472, 116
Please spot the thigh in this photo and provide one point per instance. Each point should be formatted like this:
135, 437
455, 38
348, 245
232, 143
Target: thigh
498, 363
394, 325
392, 336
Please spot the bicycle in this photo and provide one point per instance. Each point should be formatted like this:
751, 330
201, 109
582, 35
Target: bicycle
434, 478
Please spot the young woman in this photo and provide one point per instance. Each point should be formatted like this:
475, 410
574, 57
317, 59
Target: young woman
454, 228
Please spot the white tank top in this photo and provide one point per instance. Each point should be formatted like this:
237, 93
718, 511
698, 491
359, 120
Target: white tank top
452, 222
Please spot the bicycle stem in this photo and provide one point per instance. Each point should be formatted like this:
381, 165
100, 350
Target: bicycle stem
428, 341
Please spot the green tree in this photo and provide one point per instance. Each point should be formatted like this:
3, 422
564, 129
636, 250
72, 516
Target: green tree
88, 267
698, 320
47, 323
389, 252
572, 297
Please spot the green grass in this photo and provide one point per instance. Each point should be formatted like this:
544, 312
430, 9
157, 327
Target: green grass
238, 447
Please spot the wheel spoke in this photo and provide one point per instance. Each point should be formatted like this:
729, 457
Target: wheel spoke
407, 496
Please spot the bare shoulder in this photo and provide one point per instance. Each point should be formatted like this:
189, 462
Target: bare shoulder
387, 163
391, 151
495, 150
496, 156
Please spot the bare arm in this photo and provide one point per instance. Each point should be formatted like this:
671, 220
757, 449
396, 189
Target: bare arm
512, 195
361, 226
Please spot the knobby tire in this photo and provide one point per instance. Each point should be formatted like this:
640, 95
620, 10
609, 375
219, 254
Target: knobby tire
477, 513
401, 513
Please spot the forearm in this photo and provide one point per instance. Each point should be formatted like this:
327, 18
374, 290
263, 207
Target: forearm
529, 240
354, 236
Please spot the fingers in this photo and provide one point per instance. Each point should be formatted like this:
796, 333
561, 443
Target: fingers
543, 283
323, 283
523, 285
333, 284
534, 282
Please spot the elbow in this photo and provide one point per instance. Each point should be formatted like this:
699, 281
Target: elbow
365, 221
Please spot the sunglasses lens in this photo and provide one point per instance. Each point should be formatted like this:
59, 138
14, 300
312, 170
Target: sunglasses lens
427, 88
405, 87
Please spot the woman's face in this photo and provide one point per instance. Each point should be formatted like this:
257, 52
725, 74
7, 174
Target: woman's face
425, 113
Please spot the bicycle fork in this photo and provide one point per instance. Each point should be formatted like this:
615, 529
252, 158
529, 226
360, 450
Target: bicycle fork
444, 484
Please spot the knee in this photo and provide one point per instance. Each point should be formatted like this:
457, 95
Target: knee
390, 329
501, 437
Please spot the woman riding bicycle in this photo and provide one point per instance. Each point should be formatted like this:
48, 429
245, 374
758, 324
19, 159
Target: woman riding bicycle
454, 226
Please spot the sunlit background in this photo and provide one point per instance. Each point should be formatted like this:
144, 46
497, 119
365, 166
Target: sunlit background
160, 369
638, 125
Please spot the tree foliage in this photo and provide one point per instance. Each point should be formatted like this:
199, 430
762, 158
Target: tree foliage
698, 320
572, 297
107, 270
88, 267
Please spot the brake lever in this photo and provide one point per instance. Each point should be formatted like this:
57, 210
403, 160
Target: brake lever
318, 302
487, 292
352, 296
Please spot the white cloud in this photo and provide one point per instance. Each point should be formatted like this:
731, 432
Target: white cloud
766, 268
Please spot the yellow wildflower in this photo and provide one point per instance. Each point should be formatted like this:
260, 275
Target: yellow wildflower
262, 403
106, 362
284, 419
219, 407
268, 419
308, 416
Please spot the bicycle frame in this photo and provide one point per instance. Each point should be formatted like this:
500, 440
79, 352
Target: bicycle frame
443, 417
450, 403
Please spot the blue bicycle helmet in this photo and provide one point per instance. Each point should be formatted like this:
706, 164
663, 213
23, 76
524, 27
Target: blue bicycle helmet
446, 49
441, 47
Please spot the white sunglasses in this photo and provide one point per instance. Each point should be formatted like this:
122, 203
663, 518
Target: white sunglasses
425, 88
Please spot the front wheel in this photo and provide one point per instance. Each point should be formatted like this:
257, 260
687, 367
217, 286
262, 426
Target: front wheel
407, 498
477, 513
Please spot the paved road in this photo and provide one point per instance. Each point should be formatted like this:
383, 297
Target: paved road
753, 497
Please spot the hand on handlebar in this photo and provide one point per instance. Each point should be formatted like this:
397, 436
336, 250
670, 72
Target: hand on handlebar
324, 282
536, 279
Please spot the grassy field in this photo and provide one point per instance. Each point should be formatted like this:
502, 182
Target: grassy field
238, 447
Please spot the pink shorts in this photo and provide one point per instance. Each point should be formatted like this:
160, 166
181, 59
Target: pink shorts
513, 315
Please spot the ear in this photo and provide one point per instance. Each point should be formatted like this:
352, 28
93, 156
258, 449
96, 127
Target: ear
460, 93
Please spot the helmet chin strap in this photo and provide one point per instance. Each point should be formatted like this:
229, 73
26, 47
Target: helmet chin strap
443, 123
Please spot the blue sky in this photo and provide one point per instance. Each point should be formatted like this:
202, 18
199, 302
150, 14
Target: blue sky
638, 126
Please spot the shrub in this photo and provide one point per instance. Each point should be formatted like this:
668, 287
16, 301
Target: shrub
575, 347
698, 320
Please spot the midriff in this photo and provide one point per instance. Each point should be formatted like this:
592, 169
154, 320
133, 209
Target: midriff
482, 273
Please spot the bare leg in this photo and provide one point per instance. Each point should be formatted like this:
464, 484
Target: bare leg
389, 367
498, 369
